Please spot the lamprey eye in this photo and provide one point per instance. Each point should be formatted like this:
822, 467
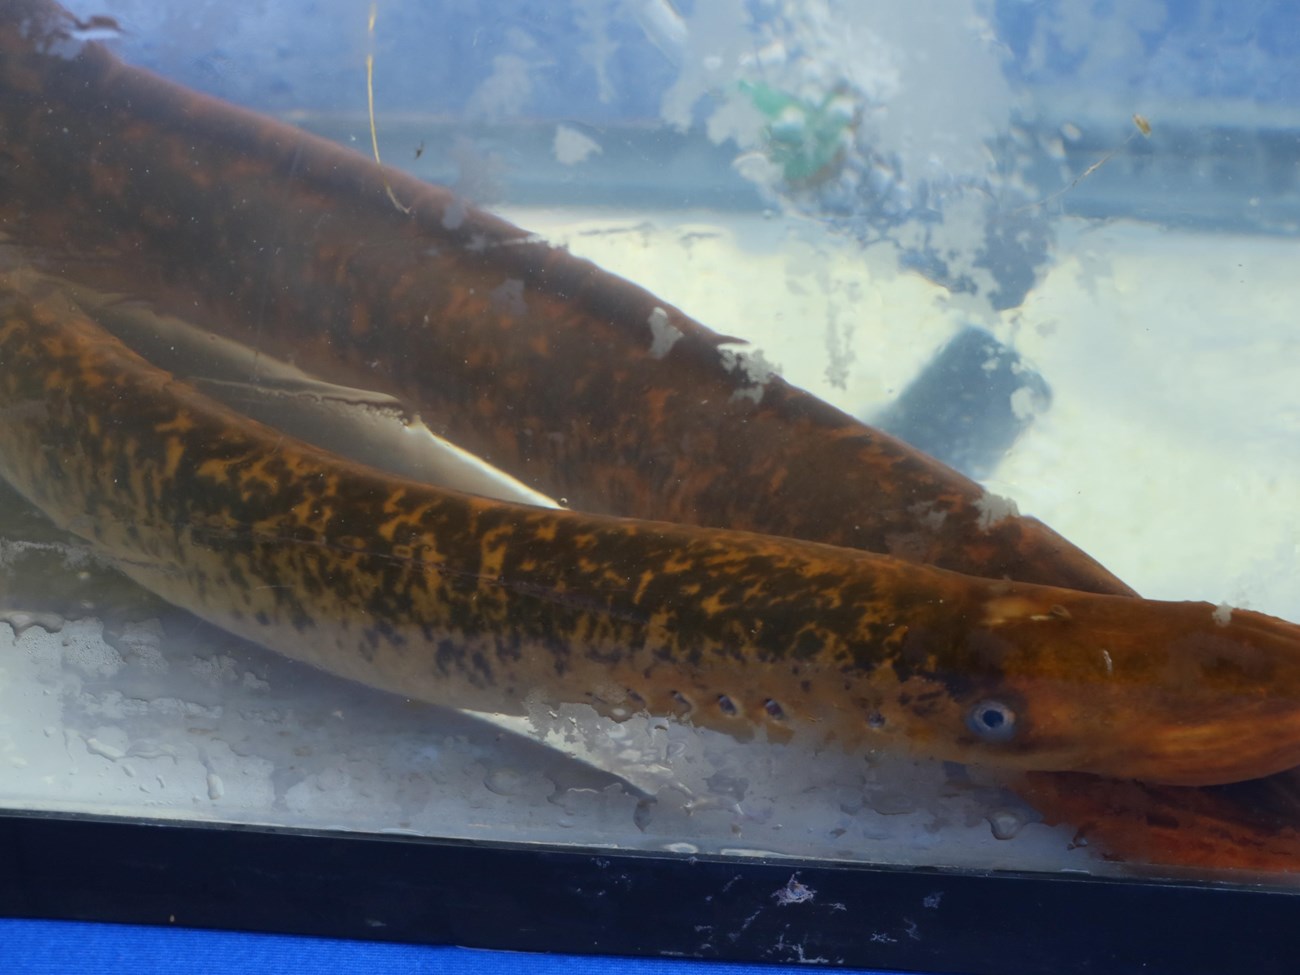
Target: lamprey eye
992, 721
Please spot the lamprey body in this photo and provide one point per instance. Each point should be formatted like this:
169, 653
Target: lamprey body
587, 388
461, 600
132, 184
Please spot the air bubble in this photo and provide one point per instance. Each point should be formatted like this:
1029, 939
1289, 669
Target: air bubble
506, 782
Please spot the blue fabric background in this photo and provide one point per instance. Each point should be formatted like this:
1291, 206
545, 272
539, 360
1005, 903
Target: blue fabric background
72, 948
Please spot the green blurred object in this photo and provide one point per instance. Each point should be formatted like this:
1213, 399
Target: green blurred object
804, 138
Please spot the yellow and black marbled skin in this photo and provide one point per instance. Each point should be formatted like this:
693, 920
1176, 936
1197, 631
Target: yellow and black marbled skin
464, 601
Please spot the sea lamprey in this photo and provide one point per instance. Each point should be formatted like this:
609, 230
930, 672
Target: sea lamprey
579, 384
467, 601
582, 385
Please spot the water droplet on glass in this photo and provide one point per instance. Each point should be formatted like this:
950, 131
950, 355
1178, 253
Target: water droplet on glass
644, 811
506, 782
892, 802
104, 750
96, 28
1006, 823
22, 621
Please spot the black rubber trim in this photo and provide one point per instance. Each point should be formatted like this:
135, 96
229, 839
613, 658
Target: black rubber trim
581, 900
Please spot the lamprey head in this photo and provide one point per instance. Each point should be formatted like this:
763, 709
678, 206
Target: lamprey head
1054, 680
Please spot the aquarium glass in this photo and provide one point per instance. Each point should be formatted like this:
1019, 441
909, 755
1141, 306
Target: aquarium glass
344, 493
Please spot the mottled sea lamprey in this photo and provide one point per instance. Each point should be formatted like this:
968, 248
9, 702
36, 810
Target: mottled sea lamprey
586, 386
460, 600
136, 185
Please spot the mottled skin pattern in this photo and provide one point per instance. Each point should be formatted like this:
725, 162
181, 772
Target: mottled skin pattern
318, 266
854, 486
459, 600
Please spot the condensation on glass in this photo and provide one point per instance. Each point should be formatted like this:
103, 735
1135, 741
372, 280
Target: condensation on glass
337, 502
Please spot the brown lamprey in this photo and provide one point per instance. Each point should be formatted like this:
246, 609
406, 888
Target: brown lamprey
292, 244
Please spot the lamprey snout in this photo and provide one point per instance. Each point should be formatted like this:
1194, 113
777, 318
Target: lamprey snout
1182, 693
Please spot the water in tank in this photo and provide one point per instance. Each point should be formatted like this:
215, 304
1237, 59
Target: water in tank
859, 432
